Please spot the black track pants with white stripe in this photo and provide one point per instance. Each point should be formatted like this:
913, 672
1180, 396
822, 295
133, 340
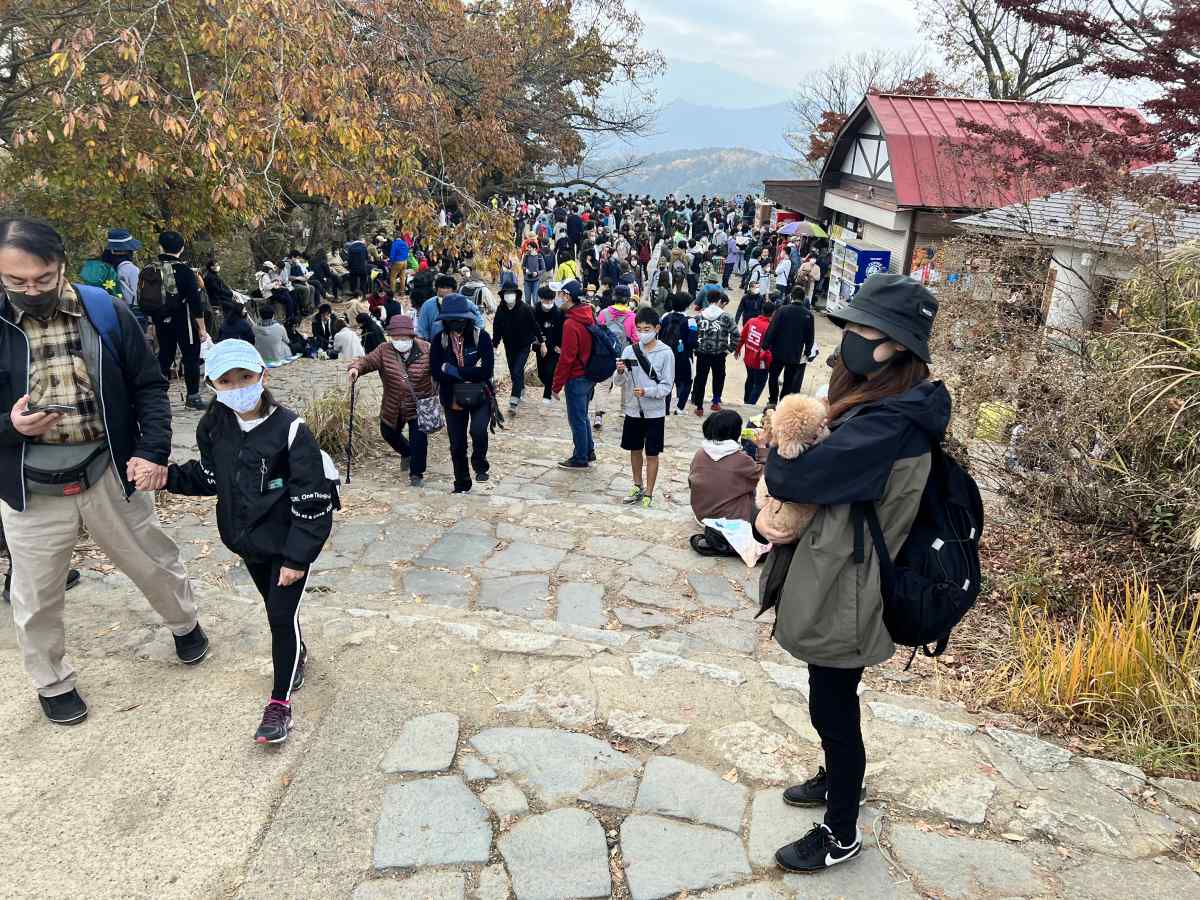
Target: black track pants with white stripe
283, 615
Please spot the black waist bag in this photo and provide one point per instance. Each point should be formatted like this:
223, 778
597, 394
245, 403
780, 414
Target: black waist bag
469, 395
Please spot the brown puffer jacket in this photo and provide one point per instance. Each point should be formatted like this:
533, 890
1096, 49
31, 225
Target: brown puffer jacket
405, 378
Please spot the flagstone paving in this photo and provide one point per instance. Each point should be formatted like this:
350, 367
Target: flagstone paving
531, 691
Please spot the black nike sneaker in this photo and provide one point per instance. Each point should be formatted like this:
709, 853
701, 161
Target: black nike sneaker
816, 851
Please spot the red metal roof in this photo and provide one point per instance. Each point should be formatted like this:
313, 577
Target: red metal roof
923, 134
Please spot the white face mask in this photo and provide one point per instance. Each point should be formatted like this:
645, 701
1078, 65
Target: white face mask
547, 305
403, 345
646, 337
510, 299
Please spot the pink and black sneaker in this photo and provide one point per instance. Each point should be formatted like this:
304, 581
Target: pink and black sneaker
276, 723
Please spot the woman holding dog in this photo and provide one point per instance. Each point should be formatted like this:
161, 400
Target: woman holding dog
885, 415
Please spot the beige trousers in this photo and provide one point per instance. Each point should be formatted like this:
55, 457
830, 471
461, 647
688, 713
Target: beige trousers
41, 540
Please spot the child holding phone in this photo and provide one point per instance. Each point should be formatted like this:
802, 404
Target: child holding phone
275, 502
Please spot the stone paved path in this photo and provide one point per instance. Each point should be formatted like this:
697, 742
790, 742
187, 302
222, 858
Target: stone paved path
531, 691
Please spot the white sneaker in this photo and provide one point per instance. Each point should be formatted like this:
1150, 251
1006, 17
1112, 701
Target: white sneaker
546, 401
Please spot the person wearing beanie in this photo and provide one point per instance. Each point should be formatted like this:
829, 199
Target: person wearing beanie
516, 327
403, 366
179, 320
246, 438
885, 418
549, 320
462, 361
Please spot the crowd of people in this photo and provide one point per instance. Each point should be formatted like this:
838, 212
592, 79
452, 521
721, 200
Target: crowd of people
631, 295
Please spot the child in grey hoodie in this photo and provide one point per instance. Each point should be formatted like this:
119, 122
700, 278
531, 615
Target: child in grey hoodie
646, 376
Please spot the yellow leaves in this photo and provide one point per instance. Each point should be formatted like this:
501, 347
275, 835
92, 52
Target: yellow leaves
59, 62
133, 101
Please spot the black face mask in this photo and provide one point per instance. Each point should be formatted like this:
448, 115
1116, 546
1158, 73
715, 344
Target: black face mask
858, 354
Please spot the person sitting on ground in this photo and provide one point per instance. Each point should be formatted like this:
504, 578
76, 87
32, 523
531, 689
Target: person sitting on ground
722, 480
236, 325
371, 333
271, 339
346, 344
322, 328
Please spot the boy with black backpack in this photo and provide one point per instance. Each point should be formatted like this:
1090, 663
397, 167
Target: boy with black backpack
646, 375
169, 293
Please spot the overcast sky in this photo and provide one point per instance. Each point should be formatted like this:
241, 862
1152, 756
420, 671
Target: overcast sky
766, 42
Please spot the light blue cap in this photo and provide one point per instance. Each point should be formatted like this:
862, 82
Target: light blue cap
232, 354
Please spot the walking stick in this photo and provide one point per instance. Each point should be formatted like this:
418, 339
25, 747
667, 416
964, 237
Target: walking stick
350, 439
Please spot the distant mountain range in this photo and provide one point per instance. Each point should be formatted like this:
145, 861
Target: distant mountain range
698, 149
719, 171
681, 125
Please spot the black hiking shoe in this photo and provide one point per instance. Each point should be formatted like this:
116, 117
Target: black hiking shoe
65, 709
416, 480
298, 678
482, 476
275, 725
192, 647
814, 791
572, 464
816, 851
195, 402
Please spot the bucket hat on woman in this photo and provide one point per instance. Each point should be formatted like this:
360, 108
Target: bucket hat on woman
899, 306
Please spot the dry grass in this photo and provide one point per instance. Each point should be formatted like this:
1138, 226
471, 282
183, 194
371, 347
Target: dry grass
1128, 670
328, 416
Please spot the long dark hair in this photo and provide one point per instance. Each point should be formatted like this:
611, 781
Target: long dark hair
847, 390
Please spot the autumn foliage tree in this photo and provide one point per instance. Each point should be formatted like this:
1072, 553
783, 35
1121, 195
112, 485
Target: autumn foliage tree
209, 114
1154, 43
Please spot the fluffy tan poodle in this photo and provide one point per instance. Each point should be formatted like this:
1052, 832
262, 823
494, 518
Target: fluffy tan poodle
798, 423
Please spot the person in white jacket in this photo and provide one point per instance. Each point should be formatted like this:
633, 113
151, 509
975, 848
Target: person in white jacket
646, 376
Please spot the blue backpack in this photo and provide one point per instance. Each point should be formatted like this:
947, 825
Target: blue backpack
102, 312
603, 362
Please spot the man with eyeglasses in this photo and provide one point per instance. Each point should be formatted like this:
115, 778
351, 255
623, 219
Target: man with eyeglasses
85, 420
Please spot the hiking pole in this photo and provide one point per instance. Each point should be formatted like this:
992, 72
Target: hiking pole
350, 439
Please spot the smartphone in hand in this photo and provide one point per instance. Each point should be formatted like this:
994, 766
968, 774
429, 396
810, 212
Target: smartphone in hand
59, 408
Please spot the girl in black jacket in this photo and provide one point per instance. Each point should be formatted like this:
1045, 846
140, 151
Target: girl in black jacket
274, 505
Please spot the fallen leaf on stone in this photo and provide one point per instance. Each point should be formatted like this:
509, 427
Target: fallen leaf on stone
105, 568
1015, 838
731, 776
988, 770
1063, 852
129, 708
286, 779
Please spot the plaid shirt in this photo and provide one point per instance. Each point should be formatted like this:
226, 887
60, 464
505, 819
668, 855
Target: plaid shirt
58, 372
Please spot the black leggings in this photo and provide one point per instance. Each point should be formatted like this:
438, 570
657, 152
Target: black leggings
283, 615
834, 711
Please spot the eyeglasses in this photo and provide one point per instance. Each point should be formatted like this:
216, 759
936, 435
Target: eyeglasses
42, 283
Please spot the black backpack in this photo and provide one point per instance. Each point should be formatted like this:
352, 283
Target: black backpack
935, 578
671, 332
